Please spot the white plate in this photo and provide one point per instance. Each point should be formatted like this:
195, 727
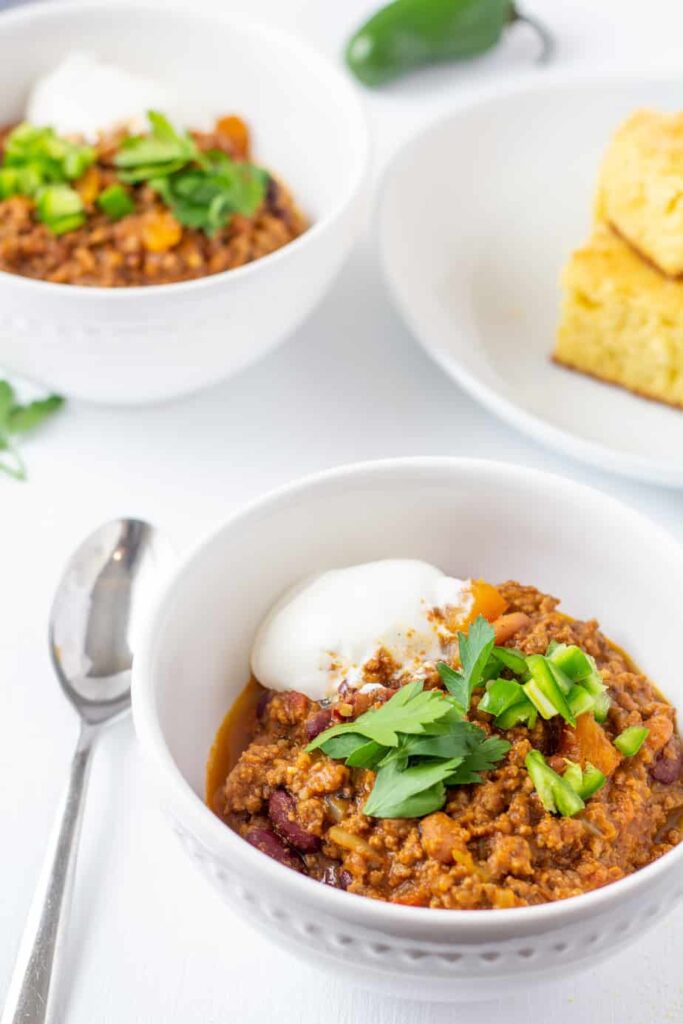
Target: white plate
478, 215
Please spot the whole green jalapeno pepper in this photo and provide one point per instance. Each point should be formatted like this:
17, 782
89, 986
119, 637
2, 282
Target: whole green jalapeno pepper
408, 34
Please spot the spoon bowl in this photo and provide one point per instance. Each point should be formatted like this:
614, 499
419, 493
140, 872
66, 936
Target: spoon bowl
95, 615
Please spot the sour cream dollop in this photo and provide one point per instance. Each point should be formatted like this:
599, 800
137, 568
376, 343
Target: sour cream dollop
326, 629
85, 96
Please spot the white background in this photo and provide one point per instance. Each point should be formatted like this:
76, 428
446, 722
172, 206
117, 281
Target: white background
148, 940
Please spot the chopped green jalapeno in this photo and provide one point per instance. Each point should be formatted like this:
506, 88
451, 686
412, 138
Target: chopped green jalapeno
544, 692
115, 202
523, 713
512, 660
581, 669
60, 208
555, 793
631, 740
580, 701
585, 783
593, 780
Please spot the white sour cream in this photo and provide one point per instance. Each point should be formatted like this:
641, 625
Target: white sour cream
85, 96
326, 629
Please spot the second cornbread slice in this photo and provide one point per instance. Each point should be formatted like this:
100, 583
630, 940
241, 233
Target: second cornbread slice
622, 320
640, 187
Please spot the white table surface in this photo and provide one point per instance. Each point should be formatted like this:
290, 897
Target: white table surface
149, 941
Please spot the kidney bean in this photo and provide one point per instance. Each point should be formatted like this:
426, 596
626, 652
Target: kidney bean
318, 722
265, 840
297, 704
282, 811
505, 626
667, 769
263, 702
334, 877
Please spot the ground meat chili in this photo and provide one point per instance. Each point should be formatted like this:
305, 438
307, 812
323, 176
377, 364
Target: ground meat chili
148, 246
492, 844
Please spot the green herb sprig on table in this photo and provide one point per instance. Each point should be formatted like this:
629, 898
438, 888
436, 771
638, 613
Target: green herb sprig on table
17, 419
418, 744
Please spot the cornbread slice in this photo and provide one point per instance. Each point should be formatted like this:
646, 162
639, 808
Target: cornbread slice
621, 320
640, 187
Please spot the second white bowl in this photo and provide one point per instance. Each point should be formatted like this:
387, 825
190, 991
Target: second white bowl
139, 344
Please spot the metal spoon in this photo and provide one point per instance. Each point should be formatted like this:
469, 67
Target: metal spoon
93, 625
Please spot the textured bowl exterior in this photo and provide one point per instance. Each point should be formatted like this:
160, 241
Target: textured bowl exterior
476, 514
458, 969
144, 344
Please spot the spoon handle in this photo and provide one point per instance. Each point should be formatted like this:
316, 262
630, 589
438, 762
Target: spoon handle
29, 996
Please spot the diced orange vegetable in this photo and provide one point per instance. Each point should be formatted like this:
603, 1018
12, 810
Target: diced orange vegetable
160, 231
88, 186
237, 132
589, 743
487, 601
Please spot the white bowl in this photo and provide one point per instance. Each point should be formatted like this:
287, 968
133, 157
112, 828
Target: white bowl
148, 343
472, 519
478, 215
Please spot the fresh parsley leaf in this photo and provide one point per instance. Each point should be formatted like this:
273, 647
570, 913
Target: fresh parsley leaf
456, 684
410, 710
206, 195
411, 792
341, 747
418, 743
26, 417
159, 153
482, 758
17, 419
475, 648
6, 403
460, 740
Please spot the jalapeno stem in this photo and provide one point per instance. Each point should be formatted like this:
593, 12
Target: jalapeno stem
546, 39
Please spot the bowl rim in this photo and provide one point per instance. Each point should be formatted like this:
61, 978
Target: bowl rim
481, 925
278, 37
595, 453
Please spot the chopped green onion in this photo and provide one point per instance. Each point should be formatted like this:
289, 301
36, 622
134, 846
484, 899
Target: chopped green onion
580, 668
602, 704
512, 660
631, 740
556, 794
574, 776
544, 692
60, 208
561, 678
580, 701
52, 158
505, 699
500, 695
115, 202
585, 783
523, 713
593, 780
